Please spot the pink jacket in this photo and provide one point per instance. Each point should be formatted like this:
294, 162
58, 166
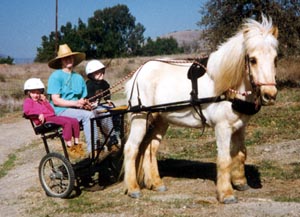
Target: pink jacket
31, 107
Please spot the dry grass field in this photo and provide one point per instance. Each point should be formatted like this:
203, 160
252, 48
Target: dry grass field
186, 159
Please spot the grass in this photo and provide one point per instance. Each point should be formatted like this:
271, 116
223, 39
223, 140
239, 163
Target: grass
287, 199
272, 124
7, 165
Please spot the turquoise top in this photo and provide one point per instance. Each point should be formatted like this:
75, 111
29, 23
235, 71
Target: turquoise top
70, 86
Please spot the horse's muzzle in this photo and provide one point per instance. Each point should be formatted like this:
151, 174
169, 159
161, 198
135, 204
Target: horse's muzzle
268, 95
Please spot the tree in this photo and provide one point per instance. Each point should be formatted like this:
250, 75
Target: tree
47, 51
221, 18
72, 35
111, 32
161, 46
7, 60
114, 33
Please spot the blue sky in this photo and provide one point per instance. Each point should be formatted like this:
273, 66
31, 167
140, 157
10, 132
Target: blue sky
23, 23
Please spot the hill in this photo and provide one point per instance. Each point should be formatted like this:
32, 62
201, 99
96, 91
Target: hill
190, 40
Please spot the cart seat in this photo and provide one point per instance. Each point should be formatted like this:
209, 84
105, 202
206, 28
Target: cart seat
43, 128
46, 128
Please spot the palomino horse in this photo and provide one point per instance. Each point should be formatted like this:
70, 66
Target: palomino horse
243, 69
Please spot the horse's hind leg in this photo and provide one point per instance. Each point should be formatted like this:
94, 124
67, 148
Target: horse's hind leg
152, 178
239, 155
131, 148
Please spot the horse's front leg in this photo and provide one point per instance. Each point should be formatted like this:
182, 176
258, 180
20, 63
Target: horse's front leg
239, 155
131, 148
152, 178
224, 162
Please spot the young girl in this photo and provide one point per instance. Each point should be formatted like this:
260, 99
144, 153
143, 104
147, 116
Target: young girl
37, 104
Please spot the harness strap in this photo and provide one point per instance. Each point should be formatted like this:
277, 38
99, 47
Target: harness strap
244, 107
196, 70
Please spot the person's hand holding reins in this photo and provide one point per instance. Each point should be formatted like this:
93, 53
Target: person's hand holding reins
85, 104
80, 103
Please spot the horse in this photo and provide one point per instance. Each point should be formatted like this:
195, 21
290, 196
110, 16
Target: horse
240, 74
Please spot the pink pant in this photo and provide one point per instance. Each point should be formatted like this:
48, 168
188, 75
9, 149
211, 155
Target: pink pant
70, 126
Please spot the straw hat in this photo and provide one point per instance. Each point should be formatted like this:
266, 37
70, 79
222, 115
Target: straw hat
64, 51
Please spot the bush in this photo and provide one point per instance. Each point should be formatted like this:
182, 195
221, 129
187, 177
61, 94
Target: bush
7, 60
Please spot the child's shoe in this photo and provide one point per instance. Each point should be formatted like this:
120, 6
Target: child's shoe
79, 149
72, 152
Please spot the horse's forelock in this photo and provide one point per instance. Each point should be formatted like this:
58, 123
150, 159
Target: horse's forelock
257, 34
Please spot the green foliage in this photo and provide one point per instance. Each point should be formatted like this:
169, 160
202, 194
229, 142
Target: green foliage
221, 18
161, 46
111, 32
7, 60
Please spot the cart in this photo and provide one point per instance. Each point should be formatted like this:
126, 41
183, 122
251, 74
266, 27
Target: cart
59, 176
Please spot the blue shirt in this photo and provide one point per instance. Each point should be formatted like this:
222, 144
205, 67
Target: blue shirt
70, 86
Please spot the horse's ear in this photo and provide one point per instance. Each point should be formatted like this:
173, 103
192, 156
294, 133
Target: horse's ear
274, 31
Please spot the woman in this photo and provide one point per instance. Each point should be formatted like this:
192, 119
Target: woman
68, 90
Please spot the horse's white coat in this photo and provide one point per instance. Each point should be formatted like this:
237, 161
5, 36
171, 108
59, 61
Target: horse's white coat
158, 83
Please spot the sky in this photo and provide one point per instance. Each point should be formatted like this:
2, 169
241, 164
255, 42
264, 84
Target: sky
23, 23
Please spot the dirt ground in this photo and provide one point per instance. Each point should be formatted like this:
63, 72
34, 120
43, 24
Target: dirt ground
192, 195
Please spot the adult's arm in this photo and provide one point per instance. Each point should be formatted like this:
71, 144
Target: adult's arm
58, 101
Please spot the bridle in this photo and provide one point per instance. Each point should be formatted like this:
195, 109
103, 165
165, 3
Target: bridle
244, 106
255, 85
253, 82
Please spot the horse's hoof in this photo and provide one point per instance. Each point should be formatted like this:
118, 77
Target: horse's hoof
230, 200
135, 194
241, 187
161, 188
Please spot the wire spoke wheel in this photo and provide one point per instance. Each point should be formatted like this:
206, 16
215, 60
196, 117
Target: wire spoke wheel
56, 175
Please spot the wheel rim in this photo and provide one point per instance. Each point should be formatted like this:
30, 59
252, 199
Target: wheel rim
56, 177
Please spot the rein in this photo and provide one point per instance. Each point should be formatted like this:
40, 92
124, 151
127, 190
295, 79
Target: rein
131, 73
197, 69
102, 93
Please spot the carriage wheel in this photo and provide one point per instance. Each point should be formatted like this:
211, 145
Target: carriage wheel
56, 175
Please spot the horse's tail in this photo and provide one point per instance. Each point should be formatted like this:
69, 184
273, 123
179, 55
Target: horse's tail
139, 165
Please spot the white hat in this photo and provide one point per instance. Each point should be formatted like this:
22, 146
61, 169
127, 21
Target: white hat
33, 84
93, 66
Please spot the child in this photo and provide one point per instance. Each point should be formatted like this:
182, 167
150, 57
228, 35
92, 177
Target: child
96, 84
37, 104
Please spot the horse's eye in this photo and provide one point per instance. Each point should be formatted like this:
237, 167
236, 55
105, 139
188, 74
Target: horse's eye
252, 60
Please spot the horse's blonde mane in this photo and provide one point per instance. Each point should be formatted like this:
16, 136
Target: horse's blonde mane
227, 64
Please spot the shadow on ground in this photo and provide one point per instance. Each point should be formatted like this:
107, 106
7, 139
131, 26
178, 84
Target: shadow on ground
110, 169
202, 170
